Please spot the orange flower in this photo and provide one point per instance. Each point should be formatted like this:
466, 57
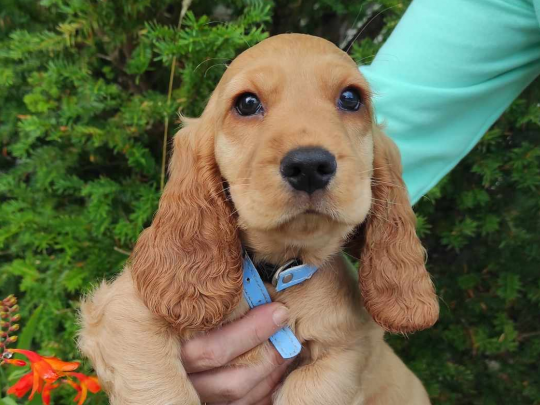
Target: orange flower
87, 383
45, 372
41, 370
15, 362
21, 387
61, 366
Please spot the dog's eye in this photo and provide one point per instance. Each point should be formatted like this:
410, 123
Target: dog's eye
349, 100
248, 104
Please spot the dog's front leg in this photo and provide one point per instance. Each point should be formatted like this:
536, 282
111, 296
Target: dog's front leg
331, 379
136, 355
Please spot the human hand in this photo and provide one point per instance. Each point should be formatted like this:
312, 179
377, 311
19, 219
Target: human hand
205, 359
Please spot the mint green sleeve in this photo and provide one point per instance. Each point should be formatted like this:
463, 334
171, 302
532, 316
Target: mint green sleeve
447, 72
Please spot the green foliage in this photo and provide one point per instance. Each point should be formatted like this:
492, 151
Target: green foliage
83, 100
27, 335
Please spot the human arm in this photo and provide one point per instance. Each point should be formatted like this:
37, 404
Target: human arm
447, 72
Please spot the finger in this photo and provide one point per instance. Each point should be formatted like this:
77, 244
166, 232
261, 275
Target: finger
220, 346
233, 383
265, 401
262, 393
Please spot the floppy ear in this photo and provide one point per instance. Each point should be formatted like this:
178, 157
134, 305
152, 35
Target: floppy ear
396, 287
187, 265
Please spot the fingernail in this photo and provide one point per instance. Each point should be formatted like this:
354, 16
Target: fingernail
280, 316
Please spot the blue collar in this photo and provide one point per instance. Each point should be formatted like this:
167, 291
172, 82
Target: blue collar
289, 275
256, 294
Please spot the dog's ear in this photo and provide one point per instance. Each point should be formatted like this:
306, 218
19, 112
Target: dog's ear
187, 265
395, 285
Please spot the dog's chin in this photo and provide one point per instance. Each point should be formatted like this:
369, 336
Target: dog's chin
312, 226
305, 216
306, 232
322, 217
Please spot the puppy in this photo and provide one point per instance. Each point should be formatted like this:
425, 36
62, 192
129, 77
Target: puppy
287, 162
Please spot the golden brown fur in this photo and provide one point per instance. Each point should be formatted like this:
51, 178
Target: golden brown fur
192, 230
185, 273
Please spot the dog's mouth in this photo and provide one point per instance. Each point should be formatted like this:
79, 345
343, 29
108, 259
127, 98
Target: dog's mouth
315, 213
317, 210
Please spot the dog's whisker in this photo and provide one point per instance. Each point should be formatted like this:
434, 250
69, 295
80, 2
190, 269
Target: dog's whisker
208, 60
247, 43
224, 189
426, 197
367, 25
384, 166
385, 201
386, 183
234, 212
358, 14
359, 61
380, 217
376, 205
350, 255
215, 195
375, 168
227, 198
217, 64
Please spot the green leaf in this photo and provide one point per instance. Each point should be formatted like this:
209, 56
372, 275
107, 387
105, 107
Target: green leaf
73, 279
423, 228
17, 372
510, 285
140, 59
36, 400
468, 281
8, 401
490, 224
29, 330
23, 269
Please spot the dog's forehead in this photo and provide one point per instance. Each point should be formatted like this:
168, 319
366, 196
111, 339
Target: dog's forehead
296, 48
282, 58
298, 44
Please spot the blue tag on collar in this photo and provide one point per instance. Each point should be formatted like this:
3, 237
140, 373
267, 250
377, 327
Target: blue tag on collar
256, 294
293, 276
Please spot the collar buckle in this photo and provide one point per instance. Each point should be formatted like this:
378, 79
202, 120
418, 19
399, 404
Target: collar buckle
291, 274
286, 266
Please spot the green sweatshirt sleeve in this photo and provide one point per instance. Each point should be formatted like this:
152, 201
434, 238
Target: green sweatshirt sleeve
447, 72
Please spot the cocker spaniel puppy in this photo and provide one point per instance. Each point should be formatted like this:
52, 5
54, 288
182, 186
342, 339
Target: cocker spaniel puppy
287, 162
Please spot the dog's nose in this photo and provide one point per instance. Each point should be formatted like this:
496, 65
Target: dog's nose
308, 169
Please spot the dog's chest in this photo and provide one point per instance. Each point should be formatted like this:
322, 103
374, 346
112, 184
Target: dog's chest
325, 306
